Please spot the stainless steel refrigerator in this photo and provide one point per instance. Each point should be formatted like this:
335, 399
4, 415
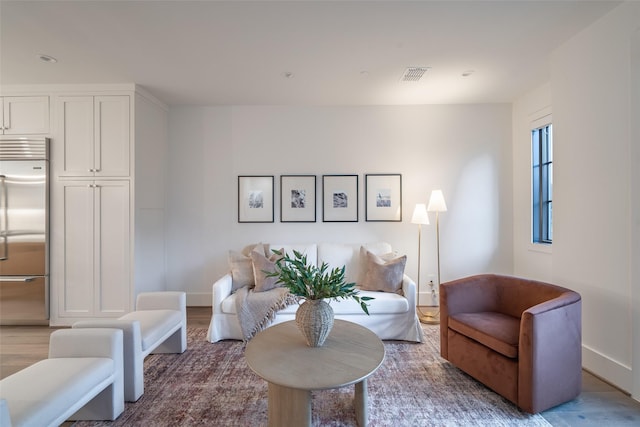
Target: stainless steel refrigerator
24, 231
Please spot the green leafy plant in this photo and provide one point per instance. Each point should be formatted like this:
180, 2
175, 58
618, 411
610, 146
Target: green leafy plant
314, 283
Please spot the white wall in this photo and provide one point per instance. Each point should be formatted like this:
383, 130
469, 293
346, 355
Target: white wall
594, 193
464, 150
530, 260
151, 146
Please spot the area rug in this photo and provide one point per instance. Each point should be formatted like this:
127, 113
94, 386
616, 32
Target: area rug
211, 385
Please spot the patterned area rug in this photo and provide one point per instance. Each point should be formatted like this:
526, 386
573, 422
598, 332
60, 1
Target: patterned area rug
211, 385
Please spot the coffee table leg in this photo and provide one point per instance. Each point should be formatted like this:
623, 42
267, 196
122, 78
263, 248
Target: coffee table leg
289, 406
361, 403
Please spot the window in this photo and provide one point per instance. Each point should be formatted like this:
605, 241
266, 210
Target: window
542, 183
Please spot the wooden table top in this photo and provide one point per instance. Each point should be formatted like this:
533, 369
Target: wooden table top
280, 355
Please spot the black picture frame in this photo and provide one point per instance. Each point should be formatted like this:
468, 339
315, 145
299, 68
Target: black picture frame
298, 198
383, 197
340, 198
255, 198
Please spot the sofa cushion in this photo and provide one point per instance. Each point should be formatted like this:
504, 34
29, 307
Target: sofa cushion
382, 273
154, 324
497, 331
348, 255
384, 303
338, 255
308, 249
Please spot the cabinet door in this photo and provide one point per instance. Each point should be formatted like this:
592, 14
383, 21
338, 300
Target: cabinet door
96, 136
96, 268
75, 154
76, 298
25, 115
112, 136
113, 248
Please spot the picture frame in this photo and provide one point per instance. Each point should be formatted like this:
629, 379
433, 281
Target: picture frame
255, 198
340, 198
383, 197
297, 198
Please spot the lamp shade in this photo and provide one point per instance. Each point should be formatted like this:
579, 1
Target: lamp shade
436, 202
420, 215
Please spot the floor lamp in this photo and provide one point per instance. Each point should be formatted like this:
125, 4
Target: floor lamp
437, 205
420, 216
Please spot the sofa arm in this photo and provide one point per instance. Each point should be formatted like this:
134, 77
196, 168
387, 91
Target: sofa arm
409, 290
550, 357
221, 289
162, 301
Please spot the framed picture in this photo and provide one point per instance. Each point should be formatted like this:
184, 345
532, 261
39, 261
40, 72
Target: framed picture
255, 198
340, 198
383, 197
297, 198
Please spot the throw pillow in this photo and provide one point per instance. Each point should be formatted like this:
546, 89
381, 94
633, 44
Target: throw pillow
364, 260
382, 274
241, 270
262, 264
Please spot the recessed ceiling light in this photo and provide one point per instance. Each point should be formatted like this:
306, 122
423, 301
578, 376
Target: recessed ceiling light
468, 73
287, 75
47, 58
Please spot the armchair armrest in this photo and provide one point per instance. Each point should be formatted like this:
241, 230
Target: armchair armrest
550, 357
466, 295
221, 289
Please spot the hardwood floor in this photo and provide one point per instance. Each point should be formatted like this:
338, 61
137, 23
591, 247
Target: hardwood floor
599, 404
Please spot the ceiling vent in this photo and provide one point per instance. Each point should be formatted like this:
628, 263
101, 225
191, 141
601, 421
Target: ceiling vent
413, 74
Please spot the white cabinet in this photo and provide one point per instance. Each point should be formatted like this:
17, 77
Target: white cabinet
24, 115
95, 136
94, 251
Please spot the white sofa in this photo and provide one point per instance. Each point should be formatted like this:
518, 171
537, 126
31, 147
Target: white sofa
392, 316
81, 380
159, 325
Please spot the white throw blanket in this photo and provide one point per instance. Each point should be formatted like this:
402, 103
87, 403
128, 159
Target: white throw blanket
256, 310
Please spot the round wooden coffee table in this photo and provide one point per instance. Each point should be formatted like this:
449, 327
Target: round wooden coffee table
280, 355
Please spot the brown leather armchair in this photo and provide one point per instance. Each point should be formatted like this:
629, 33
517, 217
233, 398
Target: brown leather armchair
521, 338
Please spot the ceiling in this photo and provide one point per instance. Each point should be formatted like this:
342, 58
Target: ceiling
334, 52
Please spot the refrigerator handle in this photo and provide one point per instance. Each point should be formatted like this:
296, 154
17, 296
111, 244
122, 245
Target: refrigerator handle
4, 218
18, 279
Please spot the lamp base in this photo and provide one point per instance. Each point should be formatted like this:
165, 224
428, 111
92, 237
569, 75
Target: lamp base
432, 318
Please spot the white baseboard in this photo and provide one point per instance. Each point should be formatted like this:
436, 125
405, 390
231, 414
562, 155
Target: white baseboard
195, 299
608, 369
426, 298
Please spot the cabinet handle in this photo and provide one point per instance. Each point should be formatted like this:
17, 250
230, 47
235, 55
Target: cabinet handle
92, 170
93, 186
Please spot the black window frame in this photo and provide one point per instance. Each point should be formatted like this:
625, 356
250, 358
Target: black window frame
542, 184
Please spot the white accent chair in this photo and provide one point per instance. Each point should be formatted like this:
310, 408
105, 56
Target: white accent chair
81, 380
159, 325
